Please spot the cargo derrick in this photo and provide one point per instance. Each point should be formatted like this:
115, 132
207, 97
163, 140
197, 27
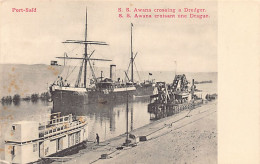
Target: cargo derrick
172, 99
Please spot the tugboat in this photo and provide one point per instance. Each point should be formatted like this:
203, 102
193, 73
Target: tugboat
172, 99
102, 89
30, 141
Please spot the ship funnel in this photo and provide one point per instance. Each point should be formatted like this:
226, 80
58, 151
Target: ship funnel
113, 72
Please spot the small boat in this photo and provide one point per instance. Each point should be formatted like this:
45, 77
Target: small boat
31, 141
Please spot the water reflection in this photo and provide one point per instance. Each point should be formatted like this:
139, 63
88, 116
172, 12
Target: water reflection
109, 119
6, 103
25, 110
17, 103
132, 119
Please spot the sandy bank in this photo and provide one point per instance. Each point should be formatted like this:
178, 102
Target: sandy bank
189, 137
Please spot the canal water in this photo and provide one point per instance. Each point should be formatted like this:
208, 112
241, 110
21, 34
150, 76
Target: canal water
108, 120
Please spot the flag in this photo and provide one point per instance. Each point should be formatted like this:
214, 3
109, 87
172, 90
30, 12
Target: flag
150, 74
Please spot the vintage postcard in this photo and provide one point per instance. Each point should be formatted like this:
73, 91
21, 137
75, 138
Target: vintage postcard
109, 81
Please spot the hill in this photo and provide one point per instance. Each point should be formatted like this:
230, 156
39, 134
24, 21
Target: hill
27, 79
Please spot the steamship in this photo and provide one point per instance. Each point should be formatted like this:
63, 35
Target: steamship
102, 89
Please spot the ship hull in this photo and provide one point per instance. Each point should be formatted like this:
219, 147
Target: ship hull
145, 90
67, 100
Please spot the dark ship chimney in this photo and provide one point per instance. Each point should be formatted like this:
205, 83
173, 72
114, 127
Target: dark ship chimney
113, 72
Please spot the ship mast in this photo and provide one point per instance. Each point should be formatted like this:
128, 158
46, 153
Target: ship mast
132, 59
86, 53
86, 58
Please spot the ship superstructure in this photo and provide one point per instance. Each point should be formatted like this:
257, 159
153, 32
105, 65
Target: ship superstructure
30, 141
173, 98
102, 89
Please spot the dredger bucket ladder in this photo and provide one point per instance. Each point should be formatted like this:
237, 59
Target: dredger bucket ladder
180, 79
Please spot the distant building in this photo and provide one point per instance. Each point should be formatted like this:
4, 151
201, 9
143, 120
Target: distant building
53, 62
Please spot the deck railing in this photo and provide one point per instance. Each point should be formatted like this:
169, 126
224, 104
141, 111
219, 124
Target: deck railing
60, 124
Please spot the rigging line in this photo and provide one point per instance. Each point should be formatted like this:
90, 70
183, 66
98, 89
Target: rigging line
130, 62
79, 75
139, 64
67, 72
137, 71
67, 76
76, 47
63, 70
92, 70
64, 67
93, 75
128, 67
71, 72
59, 74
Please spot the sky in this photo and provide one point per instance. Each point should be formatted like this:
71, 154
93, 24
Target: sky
36, 38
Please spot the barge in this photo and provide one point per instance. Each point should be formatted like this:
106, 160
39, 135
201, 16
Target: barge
33, 142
